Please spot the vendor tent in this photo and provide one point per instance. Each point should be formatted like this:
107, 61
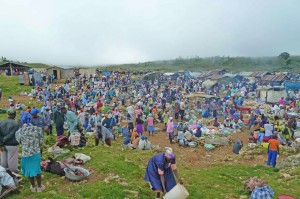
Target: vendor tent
271, 94
200, 95
209, 83
289, 85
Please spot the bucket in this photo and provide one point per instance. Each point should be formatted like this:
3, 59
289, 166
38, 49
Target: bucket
284, 196
178, 192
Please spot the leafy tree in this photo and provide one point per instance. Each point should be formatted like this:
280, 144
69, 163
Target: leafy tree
285, 57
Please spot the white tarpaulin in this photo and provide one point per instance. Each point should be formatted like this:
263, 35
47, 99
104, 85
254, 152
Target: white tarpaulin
208, 83
168, 74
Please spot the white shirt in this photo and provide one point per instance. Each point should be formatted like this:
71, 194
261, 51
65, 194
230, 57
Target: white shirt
268, 129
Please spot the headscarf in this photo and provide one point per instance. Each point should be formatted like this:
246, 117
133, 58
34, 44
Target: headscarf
169, 153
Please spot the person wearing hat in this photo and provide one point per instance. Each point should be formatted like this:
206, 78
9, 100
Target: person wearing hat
37, 120
8, 142
160, 172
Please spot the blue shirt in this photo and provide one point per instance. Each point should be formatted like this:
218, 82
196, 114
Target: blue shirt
38, 121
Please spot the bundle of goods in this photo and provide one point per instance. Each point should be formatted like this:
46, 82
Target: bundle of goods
209, 147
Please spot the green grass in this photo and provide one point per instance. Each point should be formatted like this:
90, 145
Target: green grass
10, 86
214, 181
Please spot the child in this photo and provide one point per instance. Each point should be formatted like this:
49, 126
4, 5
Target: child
273, 150
134, 135
150, 121
119, 129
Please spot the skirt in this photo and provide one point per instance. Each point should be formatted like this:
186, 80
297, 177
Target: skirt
139, 128
151, 128
171, 136
31, 165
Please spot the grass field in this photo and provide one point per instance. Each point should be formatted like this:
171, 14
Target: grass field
118, 173
10, 86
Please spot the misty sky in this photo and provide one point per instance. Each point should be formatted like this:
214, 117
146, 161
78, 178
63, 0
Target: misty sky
90, 32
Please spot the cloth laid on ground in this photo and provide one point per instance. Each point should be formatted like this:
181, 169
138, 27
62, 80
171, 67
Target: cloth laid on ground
209, 146
83, 157
53, 166
5, 178
8, 182
58, 151
62, 140
222, 141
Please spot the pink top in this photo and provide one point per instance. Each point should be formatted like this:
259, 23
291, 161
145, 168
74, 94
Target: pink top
170, 127
281, 102
138, 112
150, 121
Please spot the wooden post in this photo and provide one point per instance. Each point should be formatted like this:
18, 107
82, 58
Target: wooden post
10, 69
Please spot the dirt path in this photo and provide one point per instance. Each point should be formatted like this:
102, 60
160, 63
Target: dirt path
199, 157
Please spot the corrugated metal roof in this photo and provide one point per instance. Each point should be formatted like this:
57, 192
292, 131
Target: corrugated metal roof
259, 74
195, 74
215, 77
205, 74
245, 74
274, 78
229, 75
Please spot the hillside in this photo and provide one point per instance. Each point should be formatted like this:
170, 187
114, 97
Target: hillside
229, 63
200, 64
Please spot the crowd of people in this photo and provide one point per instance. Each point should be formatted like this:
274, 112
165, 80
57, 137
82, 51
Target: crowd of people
117, 105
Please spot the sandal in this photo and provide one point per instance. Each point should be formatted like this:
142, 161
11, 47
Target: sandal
41, 188
32, 189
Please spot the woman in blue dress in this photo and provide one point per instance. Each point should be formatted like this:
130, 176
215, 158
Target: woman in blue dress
160, 172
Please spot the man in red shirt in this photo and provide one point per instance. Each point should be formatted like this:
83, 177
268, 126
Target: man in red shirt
99, 104
273, 150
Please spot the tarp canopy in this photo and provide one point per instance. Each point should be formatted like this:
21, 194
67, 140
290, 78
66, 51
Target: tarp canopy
200, 95
292, 85
187, 75
168, 74
106, 73
209, 83
273, 96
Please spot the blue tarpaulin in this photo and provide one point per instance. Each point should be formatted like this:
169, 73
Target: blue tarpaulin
187, 75
106, 73
292, 85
